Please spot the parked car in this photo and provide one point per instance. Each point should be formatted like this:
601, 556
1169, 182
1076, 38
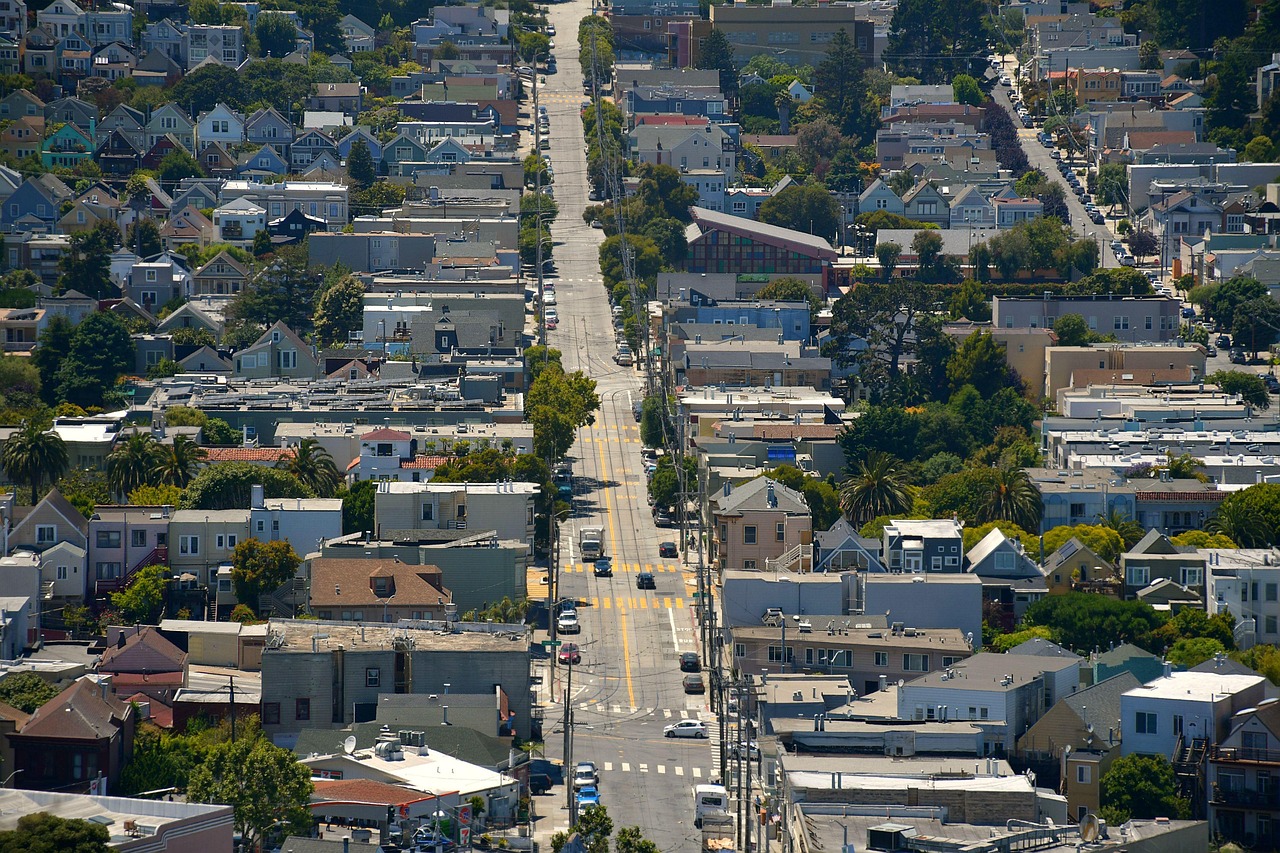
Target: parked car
585, 775
686, 728
689, 662
1211, 351
645, 580
668, 549
694, 684
1238, 357
1272, 383
588, 797
539, 783
1224, 341
568, 624
569, 654
661, 518
750, 749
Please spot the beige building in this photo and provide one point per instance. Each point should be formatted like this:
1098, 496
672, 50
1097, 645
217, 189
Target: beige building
506, 508
1061, 363
1024, 349
793, 33
757, 523
201, 540
864, 655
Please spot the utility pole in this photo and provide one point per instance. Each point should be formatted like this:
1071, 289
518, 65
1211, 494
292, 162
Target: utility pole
571, 805
231, 688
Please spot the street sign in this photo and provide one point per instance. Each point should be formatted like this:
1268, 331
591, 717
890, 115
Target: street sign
550, 644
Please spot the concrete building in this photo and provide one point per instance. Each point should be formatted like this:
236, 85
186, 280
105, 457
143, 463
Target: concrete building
1246, 583
1128, 318
320, 674
758, 523
1005, 694
796, 34
153, 826
1155, 716
506, 508
924, 600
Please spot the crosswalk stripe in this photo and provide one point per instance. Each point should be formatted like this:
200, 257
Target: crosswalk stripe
679, 604
662, 769
666, 712
644, 604
595, 602
697, 772
631, 602
679, 770
644, 768
617, 709
608, 766
666, 602
626, 768
608, 603
582, 706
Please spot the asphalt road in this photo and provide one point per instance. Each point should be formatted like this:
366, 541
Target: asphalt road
628, 685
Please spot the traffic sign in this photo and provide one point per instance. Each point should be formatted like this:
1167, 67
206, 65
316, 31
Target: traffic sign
551, 644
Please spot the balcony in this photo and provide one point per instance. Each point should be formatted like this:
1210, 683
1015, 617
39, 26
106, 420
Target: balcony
1238, 754
1245, 798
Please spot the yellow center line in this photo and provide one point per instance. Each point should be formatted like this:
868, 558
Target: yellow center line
608, 502
626, 657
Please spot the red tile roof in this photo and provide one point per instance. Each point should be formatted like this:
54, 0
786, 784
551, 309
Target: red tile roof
248, 454
428, 462
365, 791
384, 434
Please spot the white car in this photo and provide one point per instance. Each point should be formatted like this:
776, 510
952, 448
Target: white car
549, 298
568, 623
686, 728
585, 775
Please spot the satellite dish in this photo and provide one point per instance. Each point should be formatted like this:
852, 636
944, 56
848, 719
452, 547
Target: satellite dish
349, 745
1089, 827
1089, 728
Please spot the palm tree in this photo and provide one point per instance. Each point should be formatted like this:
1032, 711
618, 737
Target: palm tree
132, 463
314, 468
176, 463
1241, 523
876, 487
31, 453
1130, 531
1015, 498
1184, 467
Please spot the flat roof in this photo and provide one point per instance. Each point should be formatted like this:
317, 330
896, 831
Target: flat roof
409, 488
925, 527
912, 767
985, 671
1195, 686
111, 812
298, 635
943, 639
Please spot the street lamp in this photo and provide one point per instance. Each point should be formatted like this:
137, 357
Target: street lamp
5, 783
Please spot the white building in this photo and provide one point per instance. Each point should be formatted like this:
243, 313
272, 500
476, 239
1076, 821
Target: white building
507, 508
1190, 704
322, 199
303, 522
239, 220
1246, 582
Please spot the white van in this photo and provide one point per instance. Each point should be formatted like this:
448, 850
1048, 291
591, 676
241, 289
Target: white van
709, 801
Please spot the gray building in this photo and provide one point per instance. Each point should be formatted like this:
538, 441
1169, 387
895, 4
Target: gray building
1128, 318
936, 545
925, 601
319, 674
372, 251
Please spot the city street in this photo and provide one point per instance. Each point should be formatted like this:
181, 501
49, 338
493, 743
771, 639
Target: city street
628, 685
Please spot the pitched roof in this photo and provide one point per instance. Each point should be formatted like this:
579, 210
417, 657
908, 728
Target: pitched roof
1099, 705
755, 495
342, 582
1042, 648
19, 718
248, 454
364, 791
81, 712
143, 652
786, 238
385, 434
423, 462
1122, 654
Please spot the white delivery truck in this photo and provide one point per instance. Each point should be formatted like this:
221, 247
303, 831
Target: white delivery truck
710, 803
591, 542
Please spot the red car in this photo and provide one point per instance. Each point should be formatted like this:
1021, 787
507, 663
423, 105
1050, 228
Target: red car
569, 654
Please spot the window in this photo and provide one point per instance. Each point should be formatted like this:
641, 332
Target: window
1144, 723
1147, 324
749, 565
1121, 323
189, 545
1082, 774
1138, 576
1271, 591
288, 359
302, 709
108, 538
1192, 576
271, 713
781, 533
372, 676
1269, 625
749, 534
138, 538
106, 571
62, 573
882, 658
915, 663
775, 655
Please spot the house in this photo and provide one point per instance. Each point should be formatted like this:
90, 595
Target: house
118, 155
123, 539
239, 220
223, 275
140, 660
1155, 557
706, 147
221, 125
356, 34
1181, 214
365, 590
38, 55
400, 153
221, 44
61, 18
113, 61
190, 316
157, 826
1075, 563
1011, 580
72, 111
170, 120
21, 139
267, 127
969, 208
1125, 657
1011, 211
58, 581
293, 519
278, 353
199, 193
307, 147
216, 160
758, 523
1239, 774
20, 328
76, 737
1080, 732
155, 283
1158, 716
878, 196
360, 132
1005, 694
20, 103
168, 39
347, 98
153, 159
506, 508
293, 227
67, 147
10, 50
201, 543
936, 545
925, 203
155, 68
262, 163
35, 204
49, 522
185, 227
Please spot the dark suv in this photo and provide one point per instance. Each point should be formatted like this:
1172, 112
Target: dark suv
645, 580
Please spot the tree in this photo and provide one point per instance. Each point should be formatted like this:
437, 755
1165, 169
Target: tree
1203, 539
228, 485
52, 347
655, 424
840, 81
716, 54
357, 507
339, 311
313, 467
1251, 517
933, 40
360, 167
258, 567
1149, 55
1083, 621
101, 350
877, 486
594, 827
32, 453
1072, 330
43, 832
1223, 300
155, 496
1103, 541
1256, 324
980, 361
789, 289
282, 291
1130, 531
205, 12
817, 142
887, 254
1014, 497
1112, 180
810, 208
86, 265
264, 784
629, 840
1141, 786
26, 691
276, 34
177, 165
145, 238
142, 601
176, 463
19, 383
132, 463
220, 433
558, 404
1142, 243
261, 245
965, 90
1260, 150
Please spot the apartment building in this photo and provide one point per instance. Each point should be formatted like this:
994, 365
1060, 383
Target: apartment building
506, 508
1241, 774
794, 33
757, 523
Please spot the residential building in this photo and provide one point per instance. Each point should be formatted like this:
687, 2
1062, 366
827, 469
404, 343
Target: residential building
238, 221
1075, 566
222, 275
76, 737
706, 147
1245, 582
1005, 694
318, 680
929, 602
279, 352
366, 590
1155, 558
320, 199
304, 522
1128, 318
222, 44
170, 120
793, 33
506, 508
935, 545
757, 523
123, 539
1156, 717
51, 521
202, 541
140, 660
356, 34
153, 825
1240, 774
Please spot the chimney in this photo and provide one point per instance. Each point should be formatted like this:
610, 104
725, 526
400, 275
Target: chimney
884, 682
257, 498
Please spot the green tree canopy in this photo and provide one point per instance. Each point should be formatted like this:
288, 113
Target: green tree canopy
357, 507
258, 567
42, 832
228, 485
965, 90
1084, 622
1262, 503
557, 405
26, 691
142, 601
264, 784
1248, 385
1141, 786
